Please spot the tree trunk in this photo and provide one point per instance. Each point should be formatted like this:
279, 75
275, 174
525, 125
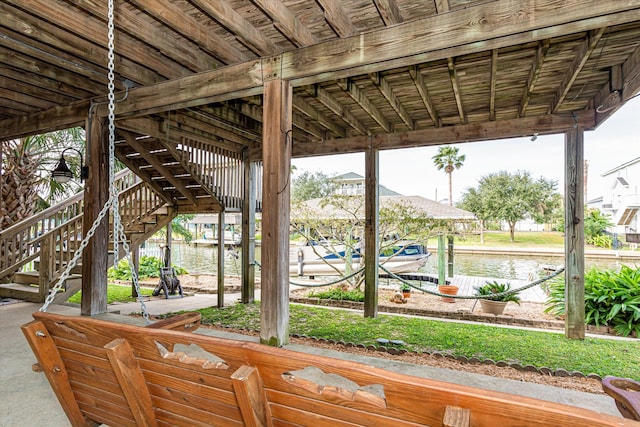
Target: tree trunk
482, 231
512, 231
450, 190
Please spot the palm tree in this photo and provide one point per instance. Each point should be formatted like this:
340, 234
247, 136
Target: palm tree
449, 160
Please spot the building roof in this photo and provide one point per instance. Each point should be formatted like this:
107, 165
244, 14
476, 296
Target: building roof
430, 207
622, 166
354, 177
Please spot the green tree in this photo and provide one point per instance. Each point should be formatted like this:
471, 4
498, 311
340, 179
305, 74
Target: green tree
311, 186
595, 227
513, 197
449, 159
473, 201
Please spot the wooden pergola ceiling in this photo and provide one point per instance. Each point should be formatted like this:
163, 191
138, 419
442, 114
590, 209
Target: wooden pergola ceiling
389, 73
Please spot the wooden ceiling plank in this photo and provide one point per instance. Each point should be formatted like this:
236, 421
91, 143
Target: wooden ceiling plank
287, 22
421, 87
419, 42
172, 47
326, 99
246, 33
85, 57
232, 139
165, 11
159, 167
387, 92
534, 73
337, 17
23, 98
492, 84
389, 11
308, 110
74, 22
352, 89
582, 56
46, 96
40, 82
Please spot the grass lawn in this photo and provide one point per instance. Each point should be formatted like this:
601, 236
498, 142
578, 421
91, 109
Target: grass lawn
540, 349
550, 239
115, 293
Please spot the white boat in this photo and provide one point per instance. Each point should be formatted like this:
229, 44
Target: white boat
327, 260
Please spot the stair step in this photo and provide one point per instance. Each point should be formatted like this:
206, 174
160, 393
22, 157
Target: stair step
27, 278
20, 291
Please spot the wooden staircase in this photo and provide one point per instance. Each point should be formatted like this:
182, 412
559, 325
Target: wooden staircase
185, 176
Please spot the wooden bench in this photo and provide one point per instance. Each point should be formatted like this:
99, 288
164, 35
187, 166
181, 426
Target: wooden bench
165, 375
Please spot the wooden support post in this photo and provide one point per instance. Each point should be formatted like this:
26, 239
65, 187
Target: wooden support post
96, 194
251, 396
371, 233
247, 291
574, 234
132, 382
220, 259
276, 155
442, 268
450, 256
51, 364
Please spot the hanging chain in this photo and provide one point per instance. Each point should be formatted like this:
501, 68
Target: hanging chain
112, 203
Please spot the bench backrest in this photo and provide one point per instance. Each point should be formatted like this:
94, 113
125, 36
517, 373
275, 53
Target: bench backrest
119, 374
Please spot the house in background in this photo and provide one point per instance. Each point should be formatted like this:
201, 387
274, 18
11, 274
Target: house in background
352, 184
622, 201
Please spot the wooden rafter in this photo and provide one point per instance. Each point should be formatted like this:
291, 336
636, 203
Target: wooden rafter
534, 73
387, 92
299, 104
246, 33
582, 55
326, 99
365, 103
492, 84
421, 87
287, 22
389, 11
453, 76
337, 17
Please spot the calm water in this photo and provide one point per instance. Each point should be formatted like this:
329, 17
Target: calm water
203, 260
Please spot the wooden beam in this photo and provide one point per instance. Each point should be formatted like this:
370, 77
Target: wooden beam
371, 237
453, 76
220, 250
423, 40
131, 380
276, 151
248, 242
626, 79
251, 396
534, 73
421, 87
208, 41
246, 33
389, 11
352, 89
308, 110
582, 55
287, 22
574, 326
56, 118
96, 194
387, 92
158, 166
492, 84
471, 132
337, 17
326, 99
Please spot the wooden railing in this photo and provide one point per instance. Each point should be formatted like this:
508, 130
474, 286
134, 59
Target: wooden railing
52, 234
138, 202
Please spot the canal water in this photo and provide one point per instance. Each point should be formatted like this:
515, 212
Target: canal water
203, 260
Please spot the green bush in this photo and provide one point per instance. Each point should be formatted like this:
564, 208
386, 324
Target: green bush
601, 241
612, 298
339, 293
149, 267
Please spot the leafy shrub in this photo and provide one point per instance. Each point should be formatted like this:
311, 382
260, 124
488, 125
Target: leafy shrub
612, 298
340, 293
601, 241
149, 267
491, 288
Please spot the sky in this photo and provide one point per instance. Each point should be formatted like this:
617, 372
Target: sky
411, 171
